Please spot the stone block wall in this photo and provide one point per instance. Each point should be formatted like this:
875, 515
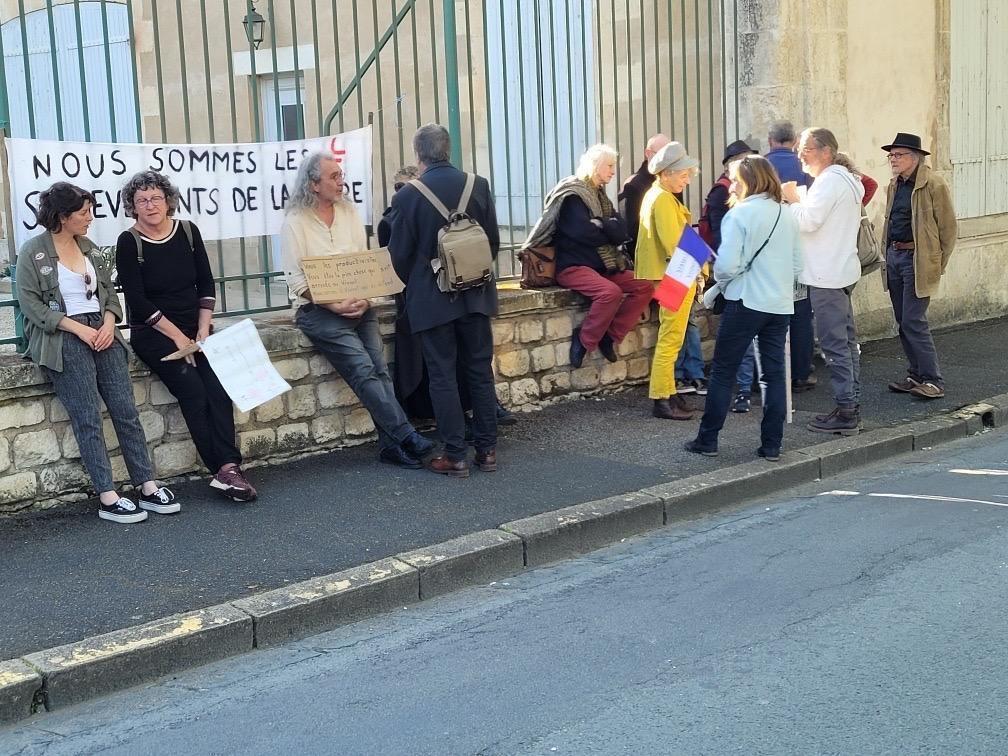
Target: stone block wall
40, 463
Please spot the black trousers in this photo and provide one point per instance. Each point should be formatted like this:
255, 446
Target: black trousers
462, 347
205, 405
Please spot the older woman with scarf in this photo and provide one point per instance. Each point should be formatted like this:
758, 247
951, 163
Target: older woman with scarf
581, 223
662, 220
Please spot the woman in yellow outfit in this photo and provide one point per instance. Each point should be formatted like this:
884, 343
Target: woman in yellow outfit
662, 220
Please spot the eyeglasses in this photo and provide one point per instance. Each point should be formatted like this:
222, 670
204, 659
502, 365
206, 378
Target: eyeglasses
808, 148
149, 201
88, 292
898, 155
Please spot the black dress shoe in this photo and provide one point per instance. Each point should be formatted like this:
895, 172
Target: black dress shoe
696, 447
417, 446
396, 455
607, 348
505, 416
577, 349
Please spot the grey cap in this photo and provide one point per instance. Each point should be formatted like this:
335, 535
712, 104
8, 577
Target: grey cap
671, 157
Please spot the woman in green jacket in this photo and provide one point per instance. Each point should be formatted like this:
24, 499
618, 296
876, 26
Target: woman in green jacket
70, 311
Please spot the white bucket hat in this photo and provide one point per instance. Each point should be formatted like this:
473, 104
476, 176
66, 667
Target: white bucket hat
671, 157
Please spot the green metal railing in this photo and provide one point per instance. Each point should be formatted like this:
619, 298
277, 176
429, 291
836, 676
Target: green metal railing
523, 85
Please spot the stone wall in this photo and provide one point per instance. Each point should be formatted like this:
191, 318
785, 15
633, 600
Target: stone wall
40, 463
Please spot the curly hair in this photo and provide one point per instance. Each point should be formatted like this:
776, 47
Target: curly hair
302, 196
149, 180
59, 202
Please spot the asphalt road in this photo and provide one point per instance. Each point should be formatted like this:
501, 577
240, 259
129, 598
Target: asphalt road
67, 575
861, 616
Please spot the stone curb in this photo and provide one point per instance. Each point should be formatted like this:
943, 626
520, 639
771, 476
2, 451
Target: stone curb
100, 665
708, 492
18, 685
581, 528
95, 666
321, 603
473, 559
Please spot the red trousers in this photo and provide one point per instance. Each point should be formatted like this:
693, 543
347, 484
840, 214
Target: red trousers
609, 312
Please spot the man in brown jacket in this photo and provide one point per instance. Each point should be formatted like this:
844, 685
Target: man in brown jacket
920, 233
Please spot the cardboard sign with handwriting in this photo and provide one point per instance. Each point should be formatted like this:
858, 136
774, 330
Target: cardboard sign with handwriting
351, 275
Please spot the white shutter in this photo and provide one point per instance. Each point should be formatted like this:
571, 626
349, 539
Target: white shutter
997, 108
968, 105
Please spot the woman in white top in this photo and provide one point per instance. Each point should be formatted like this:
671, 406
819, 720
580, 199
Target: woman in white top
70, 310
829, 216
756, 267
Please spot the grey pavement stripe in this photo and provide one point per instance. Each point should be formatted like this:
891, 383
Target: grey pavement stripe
100, 665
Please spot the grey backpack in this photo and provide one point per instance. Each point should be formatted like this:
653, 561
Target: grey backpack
464, 258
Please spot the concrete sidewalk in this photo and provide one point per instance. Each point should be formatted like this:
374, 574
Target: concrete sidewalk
68, 576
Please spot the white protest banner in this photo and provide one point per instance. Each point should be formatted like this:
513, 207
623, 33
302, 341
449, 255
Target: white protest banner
240, 362
228, 190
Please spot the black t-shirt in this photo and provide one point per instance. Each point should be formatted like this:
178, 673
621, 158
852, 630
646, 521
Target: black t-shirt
175, 280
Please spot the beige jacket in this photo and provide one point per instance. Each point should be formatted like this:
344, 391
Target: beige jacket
934, 229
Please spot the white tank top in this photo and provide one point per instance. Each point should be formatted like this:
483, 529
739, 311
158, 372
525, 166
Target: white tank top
74, 290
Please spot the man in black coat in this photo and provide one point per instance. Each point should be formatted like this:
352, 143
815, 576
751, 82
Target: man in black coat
635, 187
454, 329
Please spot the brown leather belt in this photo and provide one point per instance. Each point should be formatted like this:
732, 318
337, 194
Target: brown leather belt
901, 245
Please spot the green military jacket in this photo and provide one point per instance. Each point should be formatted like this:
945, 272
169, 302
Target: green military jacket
42, 303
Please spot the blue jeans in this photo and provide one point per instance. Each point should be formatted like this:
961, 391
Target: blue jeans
802, 340
739, 326
746, 371
355, 349
689, 366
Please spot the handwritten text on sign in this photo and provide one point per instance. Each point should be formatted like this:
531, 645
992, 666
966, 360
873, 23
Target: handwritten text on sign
228, 190
240, 362
352, 275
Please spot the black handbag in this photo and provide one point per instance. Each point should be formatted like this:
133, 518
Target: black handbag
719, 301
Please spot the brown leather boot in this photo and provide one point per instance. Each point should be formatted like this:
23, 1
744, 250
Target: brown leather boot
445, 466
846, 422
487, 460
673, 408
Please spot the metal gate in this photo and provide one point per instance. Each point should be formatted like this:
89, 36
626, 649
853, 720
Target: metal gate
524, 86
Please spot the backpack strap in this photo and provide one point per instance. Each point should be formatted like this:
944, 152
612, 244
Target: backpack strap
429, 196
440, 206
139, 244
466, 194
186, 227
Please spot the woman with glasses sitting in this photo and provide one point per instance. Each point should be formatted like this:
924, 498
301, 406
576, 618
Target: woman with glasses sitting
170, 296
70, 310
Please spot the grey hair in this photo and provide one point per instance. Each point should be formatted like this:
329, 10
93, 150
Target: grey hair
781, 132
591, 159
432, 144
823, 138
303, 196
149, 180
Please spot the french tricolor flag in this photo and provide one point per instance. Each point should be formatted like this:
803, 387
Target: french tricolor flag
690, 255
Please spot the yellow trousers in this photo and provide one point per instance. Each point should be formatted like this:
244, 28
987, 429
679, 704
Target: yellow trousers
671, 334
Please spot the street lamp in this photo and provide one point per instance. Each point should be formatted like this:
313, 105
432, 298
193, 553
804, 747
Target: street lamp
254, 26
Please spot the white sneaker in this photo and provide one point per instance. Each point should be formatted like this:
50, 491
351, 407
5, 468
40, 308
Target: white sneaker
162, 501
123, 510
